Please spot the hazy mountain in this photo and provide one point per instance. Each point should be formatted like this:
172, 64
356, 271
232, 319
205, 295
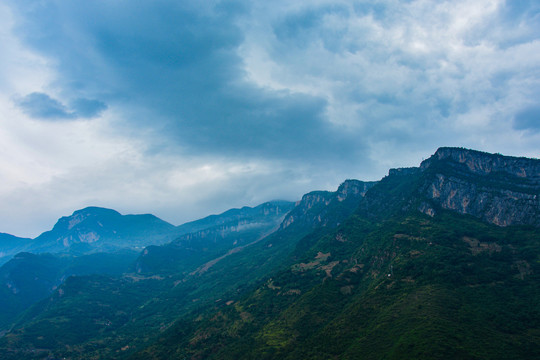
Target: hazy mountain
214, 236
229, 218
95, 229
440, 261
28, 278
11, 245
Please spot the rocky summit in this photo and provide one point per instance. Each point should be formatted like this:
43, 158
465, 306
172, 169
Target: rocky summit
502, 190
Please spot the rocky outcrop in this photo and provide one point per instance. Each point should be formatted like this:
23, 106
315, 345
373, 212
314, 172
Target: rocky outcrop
320, 208
482, 163
353, 188
499, 189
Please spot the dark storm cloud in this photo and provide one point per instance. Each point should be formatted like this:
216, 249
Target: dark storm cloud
253, 99
180, 63
396, 73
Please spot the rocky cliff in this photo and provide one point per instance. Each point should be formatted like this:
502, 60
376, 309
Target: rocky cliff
502, 190
482, 163
215, 236
320, 208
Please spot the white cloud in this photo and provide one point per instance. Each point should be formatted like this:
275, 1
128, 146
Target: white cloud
429, 63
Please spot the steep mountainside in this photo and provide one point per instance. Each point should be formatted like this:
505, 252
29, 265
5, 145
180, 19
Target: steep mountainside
499, 189
387, 270
504, 190
325, 208
215, 237
407, 276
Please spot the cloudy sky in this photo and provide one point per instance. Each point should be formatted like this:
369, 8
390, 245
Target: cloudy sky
187, 108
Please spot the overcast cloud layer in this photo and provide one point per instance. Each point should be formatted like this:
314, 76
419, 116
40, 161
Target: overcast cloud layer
186, 108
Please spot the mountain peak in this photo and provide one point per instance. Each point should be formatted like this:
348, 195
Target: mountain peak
484, 163
318, 208
502, 190
97, 229
96, 210
352, 187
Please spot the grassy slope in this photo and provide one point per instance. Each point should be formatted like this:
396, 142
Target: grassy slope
458, 289
145, 304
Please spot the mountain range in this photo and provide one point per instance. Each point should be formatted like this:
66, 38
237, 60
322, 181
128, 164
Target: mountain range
433, 262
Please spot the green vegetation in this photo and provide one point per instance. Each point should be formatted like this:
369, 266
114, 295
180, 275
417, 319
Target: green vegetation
409, 287
28, 278
342, 278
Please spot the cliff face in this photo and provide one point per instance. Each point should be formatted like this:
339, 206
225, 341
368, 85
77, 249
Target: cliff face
499, 189
233, 223
482, 163
214, 237
353, 188
326, 208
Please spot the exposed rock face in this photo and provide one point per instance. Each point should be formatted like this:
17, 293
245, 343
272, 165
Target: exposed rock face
482, 163
214, 237
502, 190
95, 229
353, 188
264, 218
314, 207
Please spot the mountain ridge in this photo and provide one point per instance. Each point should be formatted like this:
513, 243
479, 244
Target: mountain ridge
391, 269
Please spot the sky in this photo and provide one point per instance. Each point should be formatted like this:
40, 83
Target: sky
185, 108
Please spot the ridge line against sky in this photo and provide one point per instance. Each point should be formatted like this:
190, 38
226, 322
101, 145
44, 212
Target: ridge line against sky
183, 109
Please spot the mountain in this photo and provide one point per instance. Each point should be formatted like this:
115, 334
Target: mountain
408, 275
213, 237
156, 295
28, 278
501, 190
11, 245
95, 229
410, 287
91, 241
505, 190
434, 262
326, 208
227, 219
